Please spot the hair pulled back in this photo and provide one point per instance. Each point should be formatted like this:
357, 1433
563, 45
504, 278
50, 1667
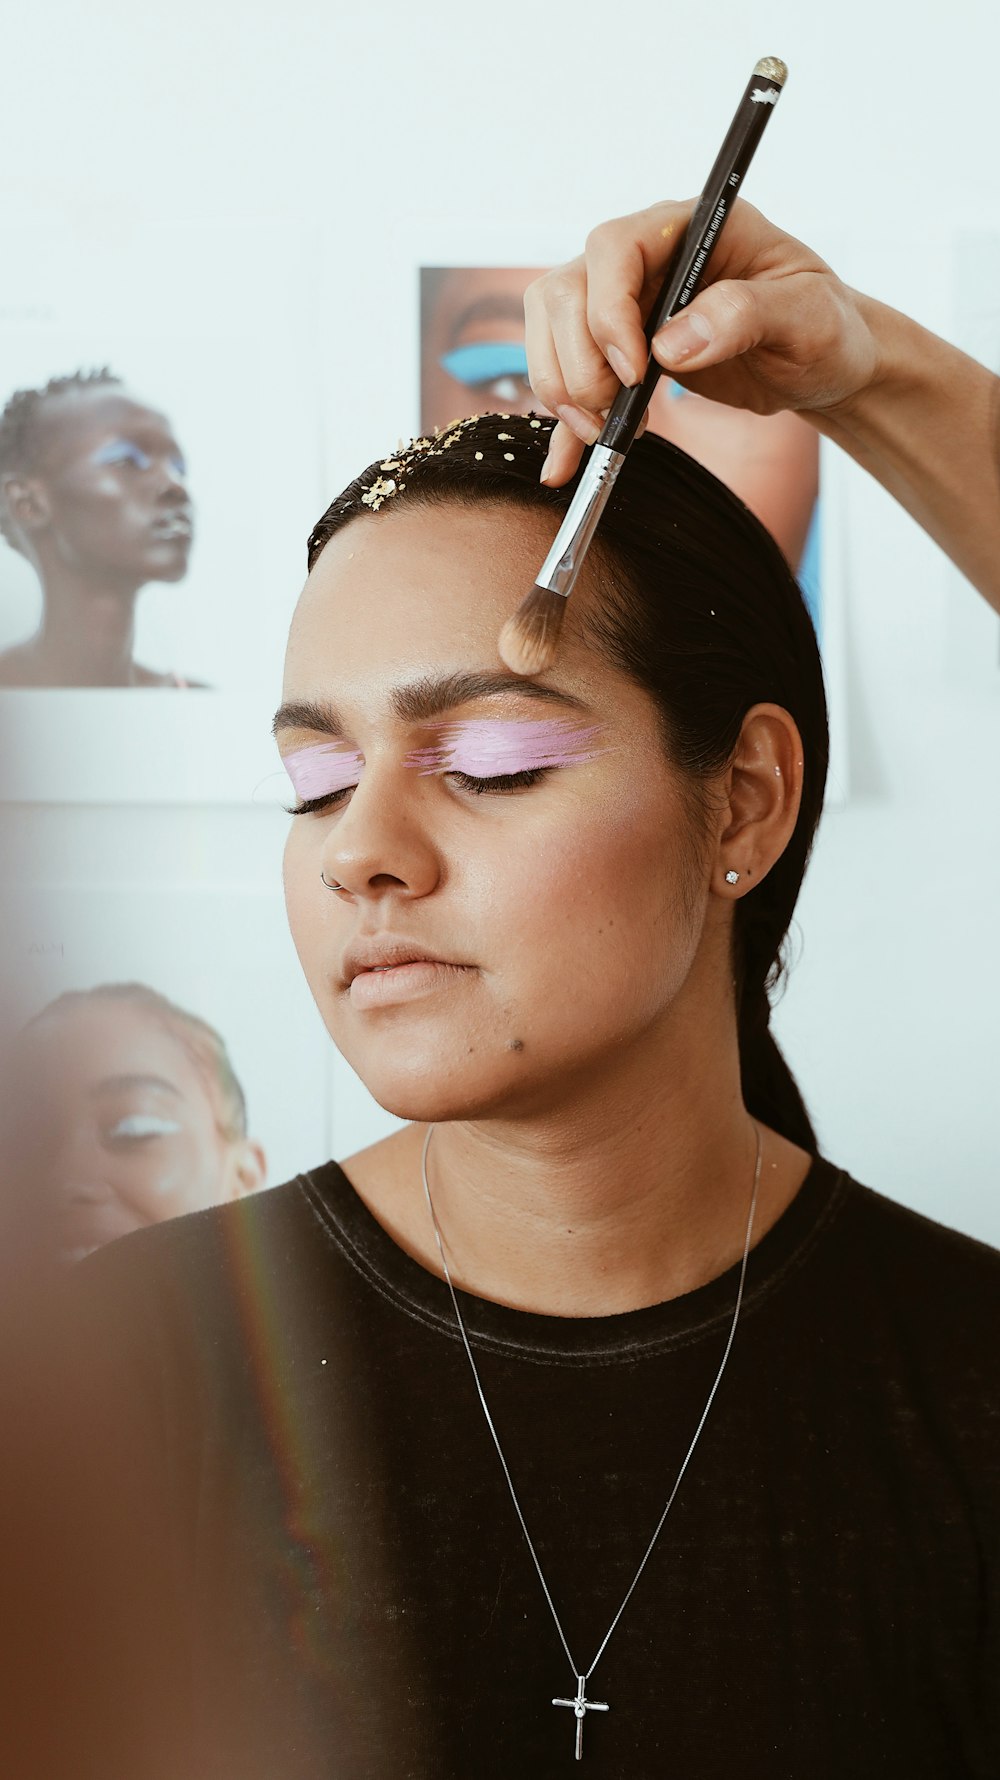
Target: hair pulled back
700, 608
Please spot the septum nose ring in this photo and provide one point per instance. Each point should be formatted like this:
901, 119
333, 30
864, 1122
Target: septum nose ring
325, 881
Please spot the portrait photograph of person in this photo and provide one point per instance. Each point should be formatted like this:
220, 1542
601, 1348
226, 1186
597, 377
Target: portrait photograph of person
145, 380
143, 1061
129, 1111
94, 495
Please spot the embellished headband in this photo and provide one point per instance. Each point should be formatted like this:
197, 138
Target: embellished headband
407, 457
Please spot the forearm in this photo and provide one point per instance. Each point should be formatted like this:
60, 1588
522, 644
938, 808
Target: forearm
928, 428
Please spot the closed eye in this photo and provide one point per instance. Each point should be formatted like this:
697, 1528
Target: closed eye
500, 782
138, 1127
310, 805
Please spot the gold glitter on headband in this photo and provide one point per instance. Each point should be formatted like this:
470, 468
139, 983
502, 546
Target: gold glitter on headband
407, 457
378, 492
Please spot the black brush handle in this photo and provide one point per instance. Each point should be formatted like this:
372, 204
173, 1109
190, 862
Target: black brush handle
687, 268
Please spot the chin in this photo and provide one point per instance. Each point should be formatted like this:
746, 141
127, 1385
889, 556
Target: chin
166, 565
432, 1091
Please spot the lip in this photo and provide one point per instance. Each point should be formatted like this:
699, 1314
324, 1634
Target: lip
387, 987
382, 971
175, 526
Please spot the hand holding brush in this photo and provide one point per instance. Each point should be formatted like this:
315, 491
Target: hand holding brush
528, 641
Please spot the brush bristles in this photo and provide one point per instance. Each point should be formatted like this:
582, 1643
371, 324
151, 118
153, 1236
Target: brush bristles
528, 640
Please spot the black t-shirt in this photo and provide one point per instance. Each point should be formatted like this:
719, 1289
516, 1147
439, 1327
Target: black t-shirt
311, 1569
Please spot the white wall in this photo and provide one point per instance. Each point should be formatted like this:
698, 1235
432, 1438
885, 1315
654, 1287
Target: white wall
393, 132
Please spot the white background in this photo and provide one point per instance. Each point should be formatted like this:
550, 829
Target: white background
383, 133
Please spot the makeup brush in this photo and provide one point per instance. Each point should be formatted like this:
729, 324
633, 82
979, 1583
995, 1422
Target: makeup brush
528, 640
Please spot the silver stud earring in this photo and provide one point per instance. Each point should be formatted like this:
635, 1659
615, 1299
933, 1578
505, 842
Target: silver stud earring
732, 877
326, 882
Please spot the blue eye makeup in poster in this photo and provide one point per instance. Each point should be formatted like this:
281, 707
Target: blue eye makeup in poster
485, 361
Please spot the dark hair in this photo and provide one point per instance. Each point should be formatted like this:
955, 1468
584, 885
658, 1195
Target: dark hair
19, 429
205, 1047
700, 608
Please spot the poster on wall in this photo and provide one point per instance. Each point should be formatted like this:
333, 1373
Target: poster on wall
170, 1053
159, 474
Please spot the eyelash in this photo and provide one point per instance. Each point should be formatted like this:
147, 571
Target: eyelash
501, 784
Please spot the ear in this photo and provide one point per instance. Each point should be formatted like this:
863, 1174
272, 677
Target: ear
27, 502
763, 790
246, 1169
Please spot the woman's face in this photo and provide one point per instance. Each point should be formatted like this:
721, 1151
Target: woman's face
123, 1125
565, 903
472, 353
113, 484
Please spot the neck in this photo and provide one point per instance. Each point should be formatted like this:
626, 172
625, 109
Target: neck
87, 632
637, 1194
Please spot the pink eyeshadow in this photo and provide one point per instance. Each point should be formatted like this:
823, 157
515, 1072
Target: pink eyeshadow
485, 748
321, 768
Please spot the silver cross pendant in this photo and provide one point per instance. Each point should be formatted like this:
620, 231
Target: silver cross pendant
581, 1706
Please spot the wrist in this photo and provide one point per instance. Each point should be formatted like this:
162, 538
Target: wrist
876, 358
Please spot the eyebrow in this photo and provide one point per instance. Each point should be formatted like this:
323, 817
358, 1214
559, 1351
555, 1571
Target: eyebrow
494, 306
426, 698
111, 1084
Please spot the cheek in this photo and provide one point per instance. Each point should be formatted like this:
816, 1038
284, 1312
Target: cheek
98, 492
605, 900
309, 907
175, 1175
293, 878
97, 519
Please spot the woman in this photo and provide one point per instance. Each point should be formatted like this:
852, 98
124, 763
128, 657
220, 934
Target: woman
93, 492
128, 1112
359, 1526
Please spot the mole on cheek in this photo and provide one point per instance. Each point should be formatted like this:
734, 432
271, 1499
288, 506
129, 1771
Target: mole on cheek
515, 1044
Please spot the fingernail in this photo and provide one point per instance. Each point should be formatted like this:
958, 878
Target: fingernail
681, 339
579, 423
624, 372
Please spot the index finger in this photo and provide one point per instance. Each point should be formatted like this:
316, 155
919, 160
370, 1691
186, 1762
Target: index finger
626, 261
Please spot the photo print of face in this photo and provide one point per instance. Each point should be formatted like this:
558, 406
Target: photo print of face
129, 1112
94, 494
472, 357
472, 361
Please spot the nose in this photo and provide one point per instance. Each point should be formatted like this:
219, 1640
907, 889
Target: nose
380, 844
172, 485
77, 1177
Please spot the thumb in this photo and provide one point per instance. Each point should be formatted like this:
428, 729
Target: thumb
727, 319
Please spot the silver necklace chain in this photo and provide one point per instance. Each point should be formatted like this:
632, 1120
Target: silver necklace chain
580, 1704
